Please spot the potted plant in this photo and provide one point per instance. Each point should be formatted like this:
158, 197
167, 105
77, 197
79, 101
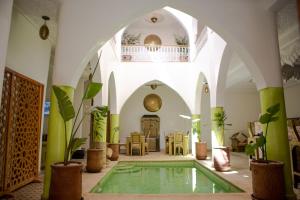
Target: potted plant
96, 155
182, 42
221, 153
201, 146
114, 144
267, 175
67, 174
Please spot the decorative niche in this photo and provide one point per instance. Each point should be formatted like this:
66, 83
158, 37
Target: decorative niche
152, 42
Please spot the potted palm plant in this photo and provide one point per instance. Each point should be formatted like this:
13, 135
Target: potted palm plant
96, 155
221, 153
267, 175
114, 144
201, 146
67, 174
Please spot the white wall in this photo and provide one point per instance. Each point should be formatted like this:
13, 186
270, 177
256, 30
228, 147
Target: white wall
27, 53
5, 20
205, 119
172, 107
292, 101
241, 108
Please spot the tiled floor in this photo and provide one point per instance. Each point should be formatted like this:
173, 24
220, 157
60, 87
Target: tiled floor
239, 175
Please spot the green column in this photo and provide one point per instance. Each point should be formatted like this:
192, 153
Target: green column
196, 127
56, 138
277, 138
114, 129
216, 129
99, 127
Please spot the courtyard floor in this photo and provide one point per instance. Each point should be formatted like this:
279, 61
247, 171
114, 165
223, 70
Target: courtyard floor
239, 175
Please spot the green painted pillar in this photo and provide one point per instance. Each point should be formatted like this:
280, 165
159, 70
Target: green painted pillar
277, 138
216, 129
56, 138
114, 129
196, 126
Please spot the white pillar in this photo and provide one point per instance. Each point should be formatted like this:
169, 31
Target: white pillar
5, 20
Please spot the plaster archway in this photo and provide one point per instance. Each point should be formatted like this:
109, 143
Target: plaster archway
222, 75
112, 94
250, 30
174, 113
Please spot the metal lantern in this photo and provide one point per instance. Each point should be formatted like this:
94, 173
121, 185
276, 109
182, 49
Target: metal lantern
44, 30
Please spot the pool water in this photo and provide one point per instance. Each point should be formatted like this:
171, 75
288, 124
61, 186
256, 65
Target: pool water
162, 178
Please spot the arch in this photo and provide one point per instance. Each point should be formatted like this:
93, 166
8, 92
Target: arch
174, 114
149, 82
222, 75
257, 29
112, 94
199, 90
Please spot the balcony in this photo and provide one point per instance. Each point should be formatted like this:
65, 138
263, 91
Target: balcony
152, 53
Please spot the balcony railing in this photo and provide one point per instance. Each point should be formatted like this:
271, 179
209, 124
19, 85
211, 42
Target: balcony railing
154, 53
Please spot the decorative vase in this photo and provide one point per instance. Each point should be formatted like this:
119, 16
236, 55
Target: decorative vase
221, 157
66, 181
201, 150
115, 151
267, 180
94, 160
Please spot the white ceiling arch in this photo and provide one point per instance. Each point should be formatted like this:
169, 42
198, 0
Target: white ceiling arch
252, 36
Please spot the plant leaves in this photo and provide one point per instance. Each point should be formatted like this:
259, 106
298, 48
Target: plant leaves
265, 118
66, 108
274, 109
75, 144
273, 119
250, 149
261, 141
92, 90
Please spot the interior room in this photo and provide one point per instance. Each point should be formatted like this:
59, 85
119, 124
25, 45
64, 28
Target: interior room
149, 100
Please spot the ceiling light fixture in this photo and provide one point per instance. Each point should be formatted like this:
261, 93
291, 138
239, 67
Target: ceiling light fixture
153, 19
44, 30
206, 89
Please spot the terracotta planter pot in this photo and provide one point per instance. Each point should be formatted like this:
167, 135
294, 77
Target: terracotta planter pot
94, 161
267, 180
222, 159
201, 150
115, 149
66, 181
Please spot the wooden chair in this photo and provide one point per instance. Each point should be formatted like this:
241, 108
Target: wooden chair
136, 142
146, 144
178, 142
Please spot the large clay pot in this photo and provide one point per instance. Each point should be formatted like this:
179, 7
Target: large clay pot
94, 161
66, 181
201, 150
115, 149
221, 157
267, 180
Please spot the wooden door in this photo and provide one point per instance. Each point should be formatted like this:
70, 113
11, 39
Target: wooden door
150, 126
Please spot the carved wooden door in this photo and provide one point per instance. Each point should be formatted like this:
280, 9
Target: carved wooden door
150, 125
20, 126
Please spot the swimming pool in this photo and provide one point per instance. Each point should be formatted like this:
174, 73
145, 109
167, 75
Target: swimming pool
167, 177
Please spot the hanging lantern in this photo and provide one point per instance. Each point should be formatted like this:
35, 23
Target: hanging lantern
44, 30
